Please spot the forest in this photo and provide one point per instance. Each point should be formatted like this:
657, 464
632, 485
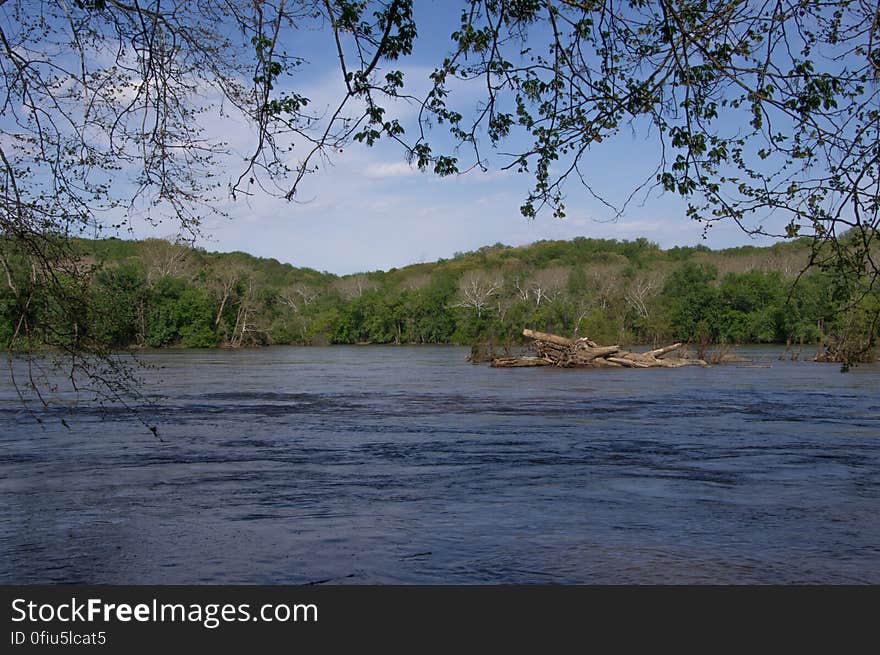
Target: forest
158, 293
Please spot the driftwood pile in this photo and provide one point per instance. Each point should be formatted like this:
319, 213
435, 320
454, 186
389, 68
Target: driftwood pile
553, 350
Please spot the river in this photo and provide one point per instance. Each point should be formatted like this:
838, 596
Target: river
408, 465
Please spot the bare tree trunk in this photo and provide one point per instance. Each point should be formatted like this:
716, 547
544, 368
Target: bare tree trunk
222, 306
9, 281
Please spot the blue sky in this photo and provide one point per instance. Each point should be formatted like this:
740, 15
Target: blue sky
369, 210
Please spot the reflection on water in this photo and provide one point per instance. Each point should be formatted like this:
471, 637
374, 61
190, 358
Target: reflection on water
405, 465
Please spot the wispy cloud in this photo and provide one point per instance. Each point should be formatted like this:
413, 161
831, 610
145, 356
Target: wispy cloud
389, 169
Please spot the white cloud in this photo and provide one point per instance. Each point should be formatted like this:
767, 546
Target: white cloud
389, 169
368, 209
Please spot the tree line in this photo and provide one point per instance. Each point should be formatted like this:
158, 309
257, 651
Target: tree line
747, 111
156, 293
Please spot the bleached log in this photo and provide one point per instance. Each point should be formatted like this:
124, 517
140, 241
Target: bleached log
601, 362
549, 338
676, 362
583, 355
517, 362
629, 362
659, 352
638, 357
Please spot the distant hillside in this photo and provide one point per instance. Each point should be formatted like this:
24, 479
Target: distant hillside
173, 258
156, 293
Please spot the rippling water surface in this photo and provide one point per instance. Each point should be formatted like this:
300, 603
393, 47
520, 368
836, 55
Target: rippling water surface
407, 465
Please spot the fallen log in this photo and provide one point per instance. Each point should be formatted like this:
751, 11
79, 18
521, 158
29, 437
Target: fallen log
578, 359
630, 363
603, 363
659, 352
517, 362
640, 357
549, 338
555, 350
586, 354
676, 362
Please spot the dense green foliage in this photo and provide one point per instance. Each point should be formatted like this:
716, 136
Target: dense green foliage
156, 294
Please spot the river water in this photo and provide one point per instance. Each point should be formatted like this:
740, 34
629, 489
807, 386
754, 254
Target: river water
408, 465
